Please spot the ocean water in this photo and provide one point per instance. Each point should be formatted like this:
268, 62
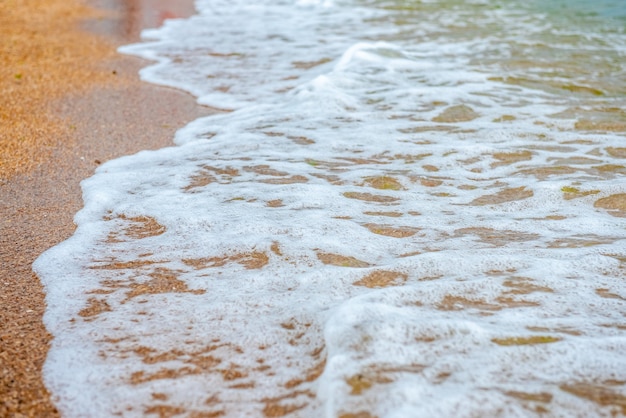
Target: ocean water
403, 209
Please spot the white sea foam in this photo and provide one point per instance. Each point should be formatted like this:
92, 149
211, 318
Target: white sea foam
397, 219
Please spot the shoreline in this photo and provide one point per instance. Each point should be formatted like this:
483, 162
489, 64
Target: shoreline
72, 121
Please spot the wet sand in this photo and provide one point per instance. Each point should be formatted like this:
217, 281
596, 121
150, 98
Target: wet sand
68, 102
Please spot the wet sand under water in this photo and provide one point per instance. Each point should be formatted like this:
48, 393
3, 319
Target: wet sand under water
68, 102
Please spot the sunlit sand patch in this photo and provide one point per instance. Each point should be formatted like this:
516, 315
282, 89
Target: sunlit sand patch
252, 260
275, 248
207, 135
286, 180
570, 192
297, 332
283, 405
110, 286
532, 340
165, 410
137, 227
378, 375
360, 383
341, 260
364, 161
589, 116
265, 170
618, 257
122, 265
411, 158
301, 140
388, 214
607, 294
581, 242
512, 302
191, 362
305, 65
601, 394
605, 169
141, 376
503, 196
575, 160
507, 158
233, 372
554, 218
276, 203
498, 273
101, 291
495, 237
208, 175
458, 303
162, 281
411, 254
542, 397
430, 182
310, 375
616, 152
615, 205
200, 179
160, 396
619, 326
426, 128
332, 179
505, 118
328, 165
548, 85
458, 113
368, 197
382, 278
543, 173
272, 134
600, 125
198, 357
384, 183
575, 88
561, 330
229, 374
144, 227
429, 278
94, 308
552, 148
360, 414
392, 231
523, 286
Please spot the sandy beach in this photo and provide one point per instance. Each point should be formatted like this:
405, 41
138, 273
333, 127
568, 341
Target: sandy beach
68, 102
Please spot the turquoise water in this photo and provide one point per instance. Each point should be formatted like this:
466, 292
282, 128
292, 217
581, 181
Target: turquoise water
612, 12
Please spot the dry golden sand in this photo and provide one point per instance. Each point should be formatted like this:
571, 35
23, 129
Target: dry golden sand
39, 62
68, 102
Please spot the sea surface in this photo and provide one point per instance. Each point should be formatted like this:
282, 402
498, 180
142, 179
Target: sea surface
403, 209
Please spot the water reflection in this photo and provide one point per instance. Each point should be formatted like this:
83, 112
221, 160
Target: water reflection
129, 17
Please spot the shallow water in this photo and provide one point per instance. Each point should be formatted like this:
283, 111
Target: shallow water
405, 209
